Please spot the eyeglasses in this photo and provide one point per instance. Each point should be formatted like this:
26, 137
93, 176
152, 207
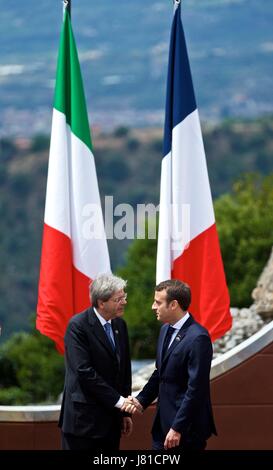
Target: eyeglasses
120, 299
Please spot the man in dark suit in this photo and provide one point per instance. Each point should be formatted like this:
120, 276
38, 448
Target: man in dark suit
98, 372
180, 382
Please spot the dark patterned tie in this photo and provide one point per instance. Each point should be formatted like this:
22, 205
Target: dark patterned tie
108, 328
167, 340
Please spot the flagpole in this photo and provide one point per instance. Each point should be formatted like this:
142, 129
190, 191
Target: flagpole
176, 4
67, 6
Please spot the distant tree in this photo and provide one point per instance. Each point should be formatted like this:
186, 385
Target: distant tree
21, 184
236, 147
7, 149
3, 173
121, 131
157, 145
133, 144
40, 142
245, 226
115, 168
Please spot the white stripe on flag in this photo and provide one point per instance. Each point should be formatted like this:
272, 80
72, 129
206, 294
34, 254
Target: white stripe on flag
72, 181
186, 208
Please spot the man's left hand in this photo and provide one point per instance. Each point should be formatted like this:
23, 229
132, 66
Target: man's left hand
127, 426
172, 439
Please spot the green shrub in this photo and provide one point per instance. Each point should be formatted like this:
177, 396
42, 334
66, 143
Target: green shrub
33, 366
245, 226
14, 396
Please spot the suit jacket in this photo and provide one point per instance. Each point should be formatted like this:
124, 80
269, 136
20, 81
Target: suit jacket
95, 376
181, 383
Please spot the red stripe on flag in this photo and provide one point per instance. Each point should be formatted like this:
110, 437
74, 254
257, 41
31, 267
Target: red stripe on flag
63, 290
201, 266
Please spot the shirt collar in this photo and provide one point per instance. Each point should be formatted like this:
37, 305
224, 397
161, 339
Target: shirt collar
181, 322
100, 318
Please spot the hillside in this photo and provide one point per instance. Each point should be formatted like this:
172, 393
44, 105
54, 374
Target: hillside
128, 166
123, 49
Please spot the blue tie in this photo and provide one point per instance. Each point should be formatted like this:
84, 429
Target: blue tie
108, 330
167, 340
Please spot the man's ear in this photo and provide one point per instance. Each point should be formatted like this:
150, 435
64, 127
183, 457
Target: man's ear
100, 303
174, 304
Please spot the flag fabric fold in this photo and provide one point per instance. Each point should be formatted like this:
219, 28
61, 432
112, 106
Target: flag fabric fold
188, 246
71, 256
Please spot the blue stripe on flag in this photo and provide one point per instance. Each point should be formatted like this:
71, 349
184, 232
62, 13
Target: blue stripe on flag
180, 99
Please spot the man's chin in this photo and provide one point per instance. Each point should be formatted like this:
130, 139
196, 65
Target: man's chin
119, 313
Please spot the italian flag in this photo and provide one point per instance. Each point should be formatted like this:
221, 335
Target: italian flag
73, 250
188, 245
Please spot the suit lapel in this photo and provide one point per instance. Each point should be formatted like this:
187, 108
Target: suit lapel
99, 332
180, 335
177, 340
162, 339
117, 336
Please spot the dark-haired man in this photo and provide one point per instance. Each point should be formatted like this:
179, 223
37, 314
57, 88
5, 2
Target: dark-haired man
180, 382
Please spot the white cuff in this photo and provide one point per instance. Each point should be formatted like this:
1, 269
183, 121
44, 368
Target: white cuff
120, 402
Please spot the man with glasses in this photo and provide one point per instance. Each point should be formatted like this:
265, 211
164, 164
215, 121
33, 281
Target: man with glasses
98, 372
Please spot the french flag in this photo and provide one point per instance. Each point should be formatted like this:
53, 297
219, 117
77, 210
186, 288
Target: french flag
188, 246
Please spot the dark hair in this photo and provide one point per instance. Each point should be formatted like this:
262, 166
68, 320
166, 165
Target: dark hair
176, 290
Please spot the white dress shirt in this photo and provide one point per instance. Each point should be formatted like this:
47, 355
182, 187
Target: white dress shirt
103, 321
177, 326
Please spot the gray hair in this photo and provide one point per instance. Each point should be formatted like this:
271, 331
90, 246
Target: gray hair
104, 286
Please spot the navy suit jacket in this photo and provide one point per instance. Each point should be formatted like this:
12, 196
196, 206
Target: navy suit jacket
95, 376
181, 384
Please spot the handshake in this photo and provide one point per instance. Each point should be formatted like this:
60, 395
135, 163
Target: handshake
131, 405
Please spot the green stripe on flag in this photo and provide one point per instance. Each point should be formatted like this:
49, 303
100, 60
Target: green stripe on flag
69, 94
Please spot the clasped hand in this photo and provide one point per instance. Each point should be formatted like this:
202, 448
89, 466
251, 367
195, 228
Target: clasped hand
131, 405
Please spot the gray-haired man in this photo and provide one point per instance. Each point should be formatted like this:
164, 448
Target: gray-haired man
98, 371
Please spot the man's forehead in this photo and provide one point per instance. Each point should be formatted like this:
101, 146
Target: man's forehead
160, 294
118, 292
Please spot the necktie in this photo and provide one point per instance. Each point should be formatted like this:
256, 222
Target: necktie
108, 331
167, 340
